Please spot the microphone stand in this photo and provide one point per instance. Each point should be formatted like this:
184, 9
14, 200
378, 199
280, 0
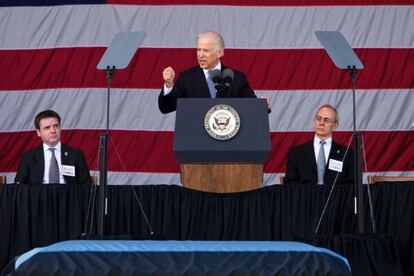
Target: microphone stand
220, 90
103, 158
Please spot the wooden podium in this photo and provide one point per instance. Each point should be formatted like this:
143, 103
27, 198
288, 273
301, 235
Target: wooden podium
222, 166
222, 177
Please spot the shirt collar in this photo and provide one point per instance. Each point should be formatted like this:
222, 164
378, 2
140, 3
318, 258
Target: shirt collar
218, 66
316, 140
58, 147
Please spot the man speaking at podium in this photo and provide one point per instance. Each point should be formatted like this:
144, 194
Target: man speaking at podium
206, 79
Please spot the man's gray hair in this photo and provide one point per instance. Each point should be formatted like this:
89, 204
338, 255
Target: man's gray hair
330, 107
219, 45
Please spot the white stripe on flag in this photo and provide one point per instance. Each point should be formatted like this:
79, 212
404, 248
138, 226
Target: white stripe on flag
243, 27
137, 109
119, 178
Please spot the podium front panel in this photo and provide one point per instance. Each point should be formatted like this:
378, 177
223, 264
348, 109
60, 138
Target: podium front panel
193, 144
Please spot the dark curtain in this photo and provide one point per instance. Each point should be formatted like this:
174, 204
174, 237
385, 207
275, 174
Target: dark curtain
38, 215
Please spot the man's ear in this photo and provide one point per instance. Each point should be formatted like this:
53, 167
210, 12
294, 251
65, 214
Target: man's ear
38, 132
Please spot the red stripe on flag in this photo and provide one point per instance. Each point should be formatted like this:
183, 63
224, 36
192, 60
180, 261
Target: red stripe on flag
152, 151
384, 150
266, 69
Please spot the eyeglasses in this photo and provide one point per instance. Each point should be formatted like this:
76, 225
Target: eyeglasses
324, 120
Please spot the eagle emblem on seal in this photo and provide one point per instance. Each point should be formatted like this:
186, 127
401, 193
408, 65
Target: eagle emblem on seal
222, 123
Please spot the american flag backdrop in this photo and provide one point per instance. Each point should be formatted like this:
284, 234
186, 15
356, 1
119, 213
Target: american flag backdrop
49, 51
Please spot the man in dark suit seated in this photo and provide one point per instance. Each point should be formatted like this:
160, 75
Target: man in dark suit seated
52, 162
321, 160
195, 82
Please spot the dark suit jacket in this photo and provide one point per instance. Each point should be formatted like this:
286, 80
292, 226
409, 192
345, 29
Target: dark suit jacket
192, 84
302, 167
32, 166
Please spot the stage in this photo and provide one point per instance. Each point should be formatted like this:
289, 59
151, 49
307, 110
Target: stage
36, 216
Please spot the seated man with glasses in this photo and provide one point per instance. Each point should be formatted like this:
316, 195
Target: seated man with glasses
321, 160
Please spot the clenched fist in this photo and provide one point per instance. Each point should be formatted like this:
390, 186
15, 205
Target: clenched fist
168, 75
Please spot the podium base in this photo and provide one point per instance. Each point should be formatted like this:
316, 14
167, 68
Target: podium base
222, 177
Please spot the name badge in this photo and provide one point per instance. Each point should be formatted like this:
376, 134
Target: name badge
68, 170
335, 165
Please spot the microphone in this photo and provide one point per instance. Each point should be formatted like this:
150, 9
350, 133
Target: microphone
228, 76
216, 78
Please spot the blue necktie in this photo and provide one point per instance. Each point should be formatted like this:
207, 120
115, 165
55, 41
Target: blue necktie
210, 84
321, 162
